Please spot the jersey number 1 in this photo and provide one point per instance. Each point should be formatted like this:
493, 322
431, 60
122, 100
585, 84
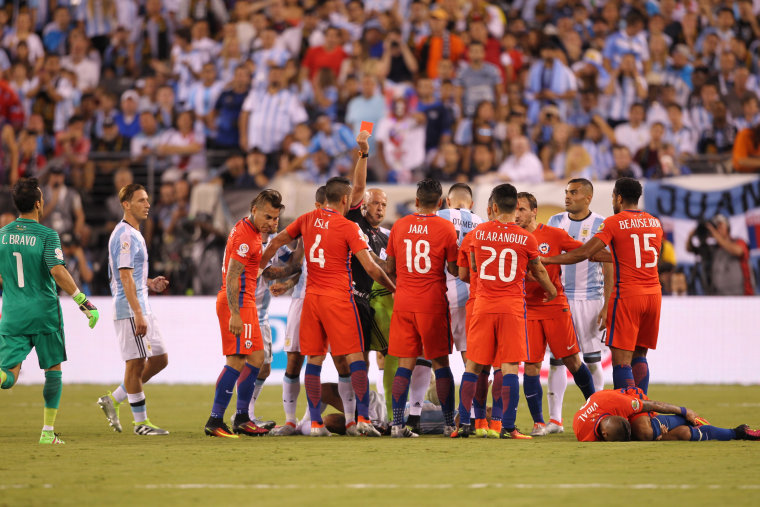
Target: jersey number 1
647, 248
19, 268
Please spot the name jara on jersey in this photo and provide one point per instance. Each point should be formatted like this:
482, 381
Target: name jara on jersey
19, 239
417, 229
503, 237
633, 223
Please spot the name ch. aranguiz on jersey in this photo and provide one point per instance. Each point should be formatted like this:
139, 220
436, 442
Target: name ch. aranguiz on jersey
502, 237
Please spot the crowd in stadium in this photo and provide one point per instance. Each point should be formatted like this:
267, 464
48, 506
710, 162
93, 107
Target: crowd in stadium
98, 93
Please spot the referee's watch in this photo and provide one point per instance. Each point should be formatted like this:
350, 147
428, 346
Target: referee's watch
364, 155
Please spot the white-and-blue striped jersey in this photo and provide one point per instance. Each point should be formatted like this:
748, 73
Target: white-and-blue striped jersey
262, 294
127, 249
582, 281
464, 221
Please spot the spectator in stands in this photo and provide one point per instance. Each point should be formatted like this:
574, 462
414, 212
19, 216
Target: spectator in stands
128, 118
63, 210
401, 143
166, 108
202, 98
550, 82
77, 263
185, 145
746, 153
329, 56
598, 145
634, 133
56, 33
337, 142
678, 133
32, 162
700, 112
52, 95
479, 80
147, 141
233, 173
434, 115
648, 156
24, 33
113, 210
630, 40
87, 71
626, 86
73, 148
398, 63
483, 167
720, 135
441, 44
522, 166
113, 145
226, 112
368, 106
744, 89
151, 38
750, 113
623, 165
267, 55
446, 165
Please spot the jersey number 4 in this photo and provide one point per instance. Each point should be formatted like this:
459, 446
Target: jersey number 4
503, 276
647, 248
19, 268
319, 258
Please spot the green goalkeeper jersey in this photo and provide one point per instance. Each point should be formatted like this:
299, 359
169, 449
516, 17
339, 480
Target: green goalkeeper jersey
28, 251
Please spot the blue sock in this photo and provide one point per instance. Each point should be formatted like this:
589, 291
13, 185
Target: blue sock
510, 393
622, 376
399, 394
702, 433
444, 387
534, 395
225, 384
466, 394
497, 407
584, 380
313, 386
640, 369
671, 421
360, 382
481, 393
245, 385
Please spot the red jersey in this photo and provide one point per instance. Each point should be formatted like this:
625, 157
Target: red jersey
463, 261
422, 245
551, 241
243, 245
318, 57
329, 239
623, 402
635, 239
502, 252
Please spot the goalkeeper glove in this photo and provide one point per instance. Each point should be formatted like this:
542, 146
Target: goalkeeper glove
87, 308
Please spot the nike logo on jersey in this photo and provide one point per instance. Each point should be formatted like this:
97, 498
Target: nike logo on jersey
571, 346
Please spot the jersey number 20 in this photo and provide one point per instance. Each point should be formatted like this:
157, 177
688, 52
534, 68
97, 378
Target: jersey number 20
503, 276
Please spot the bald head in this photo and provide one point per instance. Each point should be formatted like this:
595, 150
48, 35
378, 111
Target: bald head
460, 196
375, 204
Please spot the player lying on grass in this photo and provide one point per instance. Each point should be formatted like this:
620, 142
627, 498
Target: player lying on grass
622, 415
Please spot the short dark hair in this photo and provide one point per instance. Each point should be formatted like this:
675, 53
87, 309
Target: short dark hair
127, 191
530, 198
270, 196
634, 16
629, 189
26, 193
505, 197
460, 186
584, 182
337, 187
429, 192
321, 194
620, 432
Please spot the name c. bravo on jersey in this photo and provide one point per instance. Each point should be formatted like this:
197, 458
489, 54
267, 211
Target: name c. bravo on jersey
634, 223
503, 237
19, 239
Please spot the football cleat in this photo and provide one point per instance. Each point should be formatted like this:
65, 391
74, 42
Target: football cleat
539, 430
319, 430
413, 423
146, 428
494, 429
111, 410
215, 427
402, 432
448, 430
744, 432
267, 425
285, 430
48, 437
701, 421
365, 427
514, 434
481, 428
242, 425
464, 431
352, 430
555, 427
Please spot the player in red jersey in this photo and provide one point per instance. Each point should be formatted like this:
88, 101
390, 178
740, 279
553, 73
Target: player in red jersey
627, 414
242, 343
548, 323
502, 253
421, 247
329, 316
633, 319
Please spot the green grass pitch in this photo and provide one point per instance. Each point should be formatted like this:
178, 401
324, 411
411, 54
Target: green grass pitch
100, 467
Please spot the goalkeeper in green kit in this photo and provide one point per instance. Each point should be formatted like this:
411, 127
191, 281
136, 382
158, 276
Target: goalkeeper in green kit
31, 264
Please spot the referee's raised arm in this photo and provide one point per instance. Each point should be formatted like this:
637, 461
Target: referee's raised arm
359, 179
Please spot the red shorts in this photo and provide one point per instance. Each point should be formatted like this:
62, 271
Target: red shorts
244, 344
558, 333
496, 338
329, 321
469, 308
414, 334
634, 321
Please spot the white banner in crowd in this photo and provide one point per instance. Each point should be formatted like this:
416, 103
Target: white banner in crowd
702, 340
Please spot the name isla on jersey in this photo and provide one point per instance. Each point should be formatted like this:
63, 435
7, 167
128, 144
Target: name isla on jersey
635, 223
503, 237
19, 239
322, 224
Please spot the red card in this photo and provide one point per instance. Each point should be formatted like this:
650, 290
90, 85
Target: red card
366, 125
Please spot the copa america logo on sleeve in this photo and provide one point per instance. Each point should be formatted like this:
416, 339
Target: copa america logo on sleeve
242, 250
543, 248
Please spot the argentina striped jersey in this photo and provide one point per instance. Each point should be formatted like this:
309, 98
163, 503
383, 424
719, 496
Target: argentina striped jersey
582, 281
464, 221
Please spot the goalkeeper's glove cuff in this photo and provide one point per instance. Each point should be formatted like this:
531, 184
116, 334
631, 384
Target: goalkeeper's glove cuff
89, 309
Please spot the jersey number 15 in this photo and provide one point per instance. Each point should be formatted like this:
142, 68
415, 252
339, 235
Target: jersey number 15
647, 248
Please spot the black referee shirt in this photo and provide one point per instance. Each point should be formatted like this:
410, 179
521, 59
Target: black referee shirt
377, 241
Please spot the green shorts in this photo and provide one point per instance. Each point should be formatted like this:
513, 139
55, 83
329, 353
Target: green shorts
51, 349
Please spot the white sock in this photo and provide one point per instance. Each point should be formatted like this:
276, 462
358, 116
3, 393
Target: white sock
418, 386
379, 387
257, 387
291, 387
120, 394
348, 397
597, 373
556, 394
45, 427
139, 412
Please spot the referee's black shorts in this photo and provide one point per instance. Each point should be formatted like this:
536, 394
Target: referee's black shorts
366, 317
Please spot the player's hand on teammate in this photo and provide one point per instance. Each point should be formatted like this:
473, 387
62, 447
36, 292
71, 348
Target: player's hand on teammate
362, 141
550, 296
278, 288
89, 309
236, 324
158, 284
